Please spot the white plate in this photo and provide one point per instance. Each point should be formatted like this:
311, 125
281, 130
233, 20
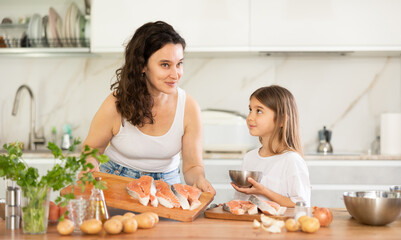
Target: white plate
73, 23
66, 26
54, 20
34, 29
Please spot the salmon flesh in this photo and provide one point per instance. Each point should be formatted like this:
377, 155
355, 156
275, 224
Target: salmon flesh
144, 190
188, 196
240, 207
165, 196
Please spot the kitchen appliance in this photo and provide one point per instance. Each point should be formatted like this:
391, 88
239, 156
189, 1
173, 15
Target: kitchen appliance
226, 131
373, 207
324, 141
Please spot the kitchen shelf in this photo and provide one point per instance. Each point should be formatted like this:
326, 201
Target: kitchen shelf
46, 52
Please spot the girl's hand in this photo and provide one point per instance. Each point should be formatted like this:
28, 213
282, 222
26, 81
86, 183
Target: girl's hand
256, 188
204, 185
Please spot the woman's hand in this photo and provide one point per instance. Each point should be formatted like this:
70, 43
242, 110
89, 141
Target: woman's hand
256, 188
204, 185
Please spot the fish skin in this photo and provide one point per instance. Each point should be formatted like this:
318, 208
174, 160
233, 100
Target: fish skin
182, 195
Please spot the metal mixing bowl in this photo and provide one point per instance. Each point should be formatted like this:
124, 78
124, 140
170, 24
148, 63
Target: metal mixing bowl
240, 177
373, 207
395, 188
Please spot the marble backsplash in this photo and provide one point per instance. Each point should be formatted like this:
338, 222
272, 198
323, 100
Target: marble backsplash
345, 93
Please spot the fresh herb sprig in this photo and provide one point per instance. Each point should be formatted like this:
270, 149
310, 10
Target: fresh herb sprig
13, 167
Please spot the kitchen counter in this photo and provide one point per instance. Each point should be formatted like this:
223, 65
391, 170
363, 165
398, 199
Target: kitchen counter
343, 227
312, 156
44, 154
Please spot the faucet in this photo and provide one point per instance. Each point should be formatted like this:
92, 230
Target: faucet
33, 138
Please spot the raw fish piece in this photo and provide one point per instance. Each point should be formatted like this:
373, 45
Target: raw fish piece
193, 196
181, 194
144, 190
267, 207
240, 207
165, 196
187, 195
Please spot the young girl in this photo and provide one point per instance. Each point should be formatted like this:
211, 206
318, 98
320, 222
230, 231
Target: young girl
273, 117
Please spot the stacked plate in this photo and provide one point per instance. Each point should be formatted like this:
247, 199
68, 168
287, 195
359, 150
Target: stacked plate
74, 27
54, 29
34, 31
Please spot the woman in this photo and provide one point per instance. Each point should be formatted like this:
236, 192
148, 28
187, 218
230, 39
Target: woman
148, 120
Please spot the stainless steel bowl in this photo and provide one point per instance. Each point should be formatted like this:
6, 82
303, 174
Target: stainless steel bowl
373, 207
240, 177
395, 188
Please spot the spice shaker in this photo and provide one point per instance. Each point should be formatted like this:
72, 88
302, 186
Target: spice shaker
13, 207
301, 209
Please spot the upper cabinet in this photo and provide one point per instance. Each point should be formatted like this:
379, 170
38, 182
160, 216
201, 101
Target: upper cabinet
206, 25
325, 25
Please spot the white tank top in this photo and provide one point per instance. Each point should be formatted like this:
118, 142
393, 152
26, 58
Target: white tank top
132, 148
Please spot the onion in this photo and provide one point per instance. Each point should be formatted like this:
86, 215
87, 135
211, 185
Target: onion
324, 216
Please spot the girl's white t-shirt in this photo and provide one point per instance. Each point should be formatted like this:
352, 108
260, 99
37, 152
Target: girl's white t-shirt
286, 174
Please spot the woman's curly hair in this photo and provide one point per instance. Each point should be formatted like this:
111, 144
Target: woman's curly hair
134, 101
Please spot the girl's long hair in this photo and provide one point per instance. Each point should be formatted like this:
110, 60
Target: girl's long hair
286, 130
134, 101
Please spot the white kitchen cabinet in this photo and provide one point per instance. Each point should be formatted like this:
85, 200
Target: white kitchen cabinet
325, 25
329, 178
206, 25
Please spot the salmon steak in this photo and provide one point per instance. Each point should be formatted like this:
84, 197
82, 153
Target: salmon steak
267, 207
188, 196
165, 196
144, 190
240, 207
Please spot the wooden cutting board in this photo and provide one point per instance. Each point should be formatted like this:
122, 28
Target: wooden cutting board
219, 213
117, 196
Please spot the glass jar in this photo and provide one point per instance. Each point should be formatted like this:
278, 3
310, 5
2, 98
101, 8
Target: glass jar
301, 209
35, 209
77, 210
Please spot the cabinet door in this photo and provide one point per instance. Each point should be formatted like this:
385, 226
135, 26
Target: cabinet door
207, 24
325, 23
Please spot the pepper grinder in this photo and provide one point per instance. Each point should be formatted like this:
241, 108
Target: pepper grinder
13, 206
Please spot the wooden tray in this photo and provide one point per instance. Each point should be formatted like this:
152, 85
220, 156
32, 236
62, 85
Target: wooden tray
116, 196
219, 213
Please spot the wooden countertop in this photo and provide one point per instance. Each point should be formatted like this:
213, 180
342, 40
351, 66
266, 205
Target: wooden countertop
343, 227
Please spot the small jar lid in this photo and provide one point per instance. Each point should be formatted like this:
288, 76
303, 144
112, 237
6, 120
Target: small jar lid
300, 204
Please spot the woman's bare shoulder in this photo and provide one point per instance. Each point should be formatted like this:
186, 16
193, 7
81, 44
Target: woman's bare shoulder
191, 105
109, 106
192, 114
